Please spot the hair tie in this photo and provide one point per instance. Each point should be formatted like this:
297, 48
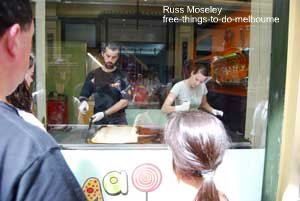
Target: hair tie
208, 174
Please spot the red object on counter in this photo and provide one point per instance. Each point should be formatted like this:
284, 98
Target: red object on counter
57, 110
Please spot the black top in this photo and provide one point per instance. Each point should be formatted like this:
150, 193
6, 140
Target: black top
31, 164
108, 89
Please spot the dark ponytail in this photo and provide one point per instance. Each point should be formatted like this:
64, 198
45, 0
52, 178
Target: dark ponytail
207, 191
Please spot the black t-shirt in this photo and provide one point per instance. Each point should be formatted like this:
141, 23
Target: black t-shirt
31, 164
108, 89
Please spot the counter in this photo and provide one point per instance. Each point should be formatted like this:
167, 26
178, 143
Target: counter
132, 173
137, 172
81, 134
74, 136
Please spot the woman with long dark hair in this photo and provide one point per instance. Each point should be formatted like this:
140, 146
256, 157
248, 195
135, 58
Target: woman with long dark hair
21, 98
198, 142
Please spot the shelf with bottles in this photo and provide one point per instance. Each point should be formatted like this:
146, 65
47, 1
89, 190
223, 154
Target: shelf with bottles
229, 70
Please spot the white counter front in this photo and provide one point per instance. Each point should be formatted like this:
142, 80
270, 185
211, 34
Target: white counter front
138, 174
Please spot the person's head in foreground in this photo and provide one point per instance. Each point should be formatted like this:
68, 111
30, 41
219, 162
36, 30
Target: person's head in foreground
16, 31
198, 142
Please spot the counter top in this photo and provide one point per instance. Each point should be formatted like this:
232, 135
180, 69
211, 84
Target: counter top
79, 134
74, 137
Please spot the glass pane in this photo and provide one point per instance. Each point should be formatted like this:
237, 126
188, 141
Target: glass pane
159, 43
81, 32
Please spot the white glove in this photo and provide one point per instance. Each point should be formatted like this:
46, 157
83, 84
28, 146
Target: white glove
183, 107
83, 107
217, 112
98, 116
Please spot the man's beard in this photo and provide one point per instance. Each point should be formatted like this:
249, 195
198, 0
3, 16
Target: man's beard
109, 65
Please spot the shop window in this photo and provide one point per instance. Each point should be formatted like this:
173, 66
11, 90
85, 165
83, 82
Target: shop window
154, 55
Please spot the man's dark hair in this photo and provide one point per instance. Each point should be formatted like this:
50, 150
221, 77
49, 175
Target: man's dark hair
15, 12
111, 46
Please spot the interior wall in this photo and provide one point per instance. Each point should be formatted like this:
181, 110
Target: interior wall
235, 27
53, 27
218, 31
183, 33
289, 172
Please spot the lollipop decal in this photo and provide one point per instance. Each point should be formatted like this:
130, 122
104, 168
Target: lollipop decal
146, 178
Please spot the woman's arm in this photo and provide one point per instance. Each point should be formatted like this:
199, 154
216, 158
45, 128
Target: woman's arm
205, 105
167, 106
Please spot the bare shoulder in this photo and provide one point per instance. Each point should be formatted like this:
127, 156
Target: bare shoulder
222, 196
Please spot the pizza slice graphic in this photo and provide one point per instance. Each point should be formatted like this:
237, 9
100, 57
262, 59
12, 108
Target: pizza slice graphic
92, 189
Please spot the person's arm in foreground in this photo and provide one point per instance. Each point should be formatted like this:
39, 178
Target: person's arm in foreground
49, 178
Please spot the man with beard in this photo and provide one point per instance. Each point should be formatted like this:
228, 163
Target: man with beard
110, 88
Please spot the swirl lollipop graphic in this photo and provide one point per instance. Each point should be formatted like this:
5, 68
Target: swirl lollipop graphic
146, 178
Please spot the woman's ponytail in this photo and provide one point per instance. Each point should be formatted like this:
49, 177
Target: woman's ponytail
207, 191
198, 141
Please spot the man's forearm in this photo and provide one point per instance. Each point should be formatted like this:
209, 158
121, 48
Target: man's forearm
116, 107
